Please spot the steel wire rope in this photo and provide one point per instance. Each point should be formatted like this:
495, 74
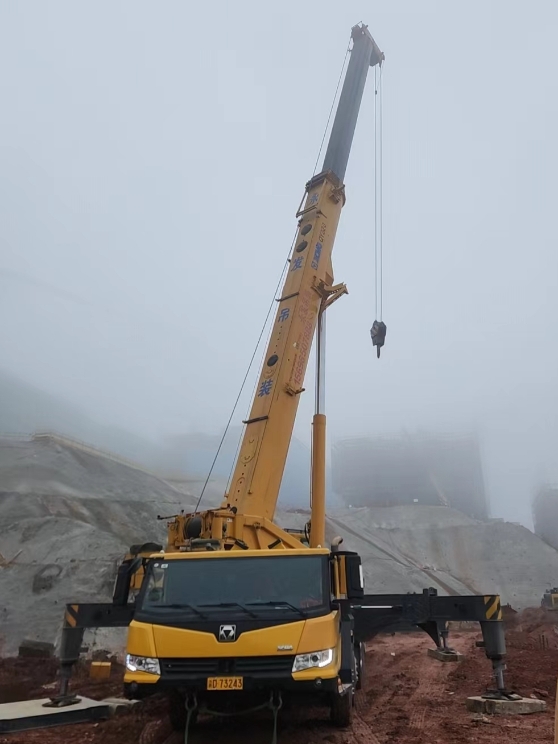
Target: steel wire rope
378, 194
244, 380
269, 310
331, 109
239, 443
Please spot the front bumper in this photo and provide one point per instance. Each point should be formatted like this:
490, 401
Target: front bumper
259, 674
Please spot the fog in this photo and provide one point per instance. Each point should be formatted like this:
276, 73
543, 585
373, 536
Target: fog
153, 156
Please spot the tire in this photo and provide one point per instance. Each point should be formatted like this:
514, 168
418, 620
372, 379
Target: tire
177, 711
341, 709
359, 665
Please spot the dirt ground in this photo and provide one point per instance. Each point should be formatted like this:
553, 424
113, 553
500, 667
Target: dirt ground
408, 698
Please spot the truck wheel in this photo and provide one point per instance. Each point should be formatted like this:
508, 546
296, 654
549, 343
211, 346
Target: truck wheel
359, 665
177, 711
341, 709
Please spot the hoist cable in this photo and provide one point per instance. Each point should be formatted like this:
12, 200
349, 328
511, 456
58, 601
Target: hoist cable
376, 190
279, 283
245, 378
331, 109
378, 193
381, 137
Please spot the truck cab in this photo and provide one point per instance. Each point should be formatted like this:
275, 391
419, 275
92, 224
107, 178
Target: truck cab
255, 623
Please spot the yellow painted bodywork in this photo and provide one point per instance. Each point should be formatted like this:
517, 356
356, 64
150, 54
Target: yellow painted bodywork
305, 636
215, 555
261, 460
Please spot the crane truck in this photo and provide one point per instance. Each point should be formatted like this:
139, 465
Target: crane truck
236, 612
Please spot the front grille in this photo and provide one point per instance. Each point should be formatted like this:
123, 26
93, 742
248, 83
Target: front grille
245, 666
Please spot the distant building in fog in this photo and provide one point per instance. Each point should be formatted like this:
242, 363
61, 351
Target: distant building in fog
545, 514
419, 469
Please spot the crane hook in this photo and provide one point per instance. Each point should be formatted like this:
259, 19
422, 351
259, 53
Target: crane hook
378, 335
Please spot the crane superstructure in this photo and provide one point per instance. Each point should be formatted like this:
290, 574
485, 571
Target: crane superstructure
236, 610
249, 507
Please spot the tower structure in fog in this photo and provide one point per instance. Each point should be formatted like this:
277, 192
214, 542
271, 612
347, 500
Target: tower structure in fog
545, 514
424, 468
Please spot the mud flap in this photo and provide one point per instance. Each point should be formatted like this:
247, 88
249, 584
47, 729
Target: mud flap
346, 671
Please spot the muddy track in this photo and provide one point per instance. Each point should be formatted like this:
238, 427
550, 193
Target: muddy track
408, 698
361, 732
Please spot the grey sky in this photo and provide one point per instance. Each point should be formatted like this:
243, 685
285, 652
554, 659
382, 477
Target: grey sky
152, 159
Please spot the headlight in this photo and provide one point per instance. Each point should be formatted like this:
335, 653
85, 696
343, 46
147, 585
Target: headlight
315, 659
142, 664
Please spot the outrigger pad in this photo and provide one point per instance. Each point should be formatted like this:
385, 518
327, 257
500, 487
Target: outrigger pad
32, 714
378, 335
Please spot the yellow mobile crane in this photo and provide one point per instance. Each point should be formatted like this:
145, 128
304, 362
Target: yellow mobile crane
235, 611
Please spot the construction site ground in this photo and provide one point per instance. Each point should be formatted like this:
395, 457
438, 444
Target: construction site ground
408, 698
68, 514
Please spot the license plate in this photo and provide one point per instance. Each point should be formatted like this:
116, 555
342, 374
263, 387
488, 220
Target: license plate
225, 683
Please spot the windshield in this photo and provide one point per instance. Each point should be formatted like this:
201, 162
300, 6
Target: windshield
251, 585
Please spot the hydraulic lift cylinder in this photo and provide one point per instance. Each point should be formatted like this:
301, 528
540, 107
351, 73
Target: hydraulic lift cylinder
494, 638
317, 531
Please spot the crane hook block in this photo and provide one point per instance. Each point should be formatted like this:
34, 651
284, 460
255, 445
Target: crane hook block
378, 335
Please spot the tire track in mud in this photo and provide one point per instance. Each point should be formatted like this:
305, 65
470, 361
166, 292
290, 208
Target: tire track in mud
404, 698
361, 731
299, 732
405, 702
431, 679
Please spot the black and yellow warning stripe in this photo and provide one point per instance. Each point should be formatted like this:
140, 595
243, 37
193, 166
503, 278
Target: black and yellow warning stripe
493, 607
71, 616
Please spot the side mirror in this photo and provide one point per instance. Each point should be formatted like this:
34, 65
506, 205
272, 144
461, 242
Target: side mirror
123, 580
354, 576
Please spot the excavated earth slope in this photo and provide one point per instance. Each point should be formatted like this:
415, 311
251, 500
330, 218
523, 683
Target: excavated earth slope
408, 548
403, 546
68, 514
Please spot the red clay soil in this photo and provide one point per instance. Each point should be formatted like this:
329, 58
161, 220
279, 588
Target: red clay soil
24, 678
408, 699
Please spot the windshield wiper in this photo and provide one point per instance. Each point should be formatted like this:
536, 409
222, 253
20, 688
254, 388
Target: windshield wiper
231, 604
278, 603
179, 606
